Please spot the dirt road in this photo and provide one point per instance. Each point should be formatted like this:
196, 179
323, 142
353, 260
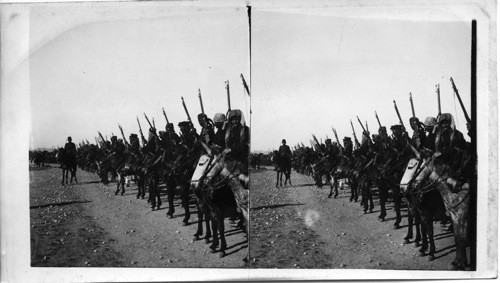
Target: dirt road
86, 224
300, 227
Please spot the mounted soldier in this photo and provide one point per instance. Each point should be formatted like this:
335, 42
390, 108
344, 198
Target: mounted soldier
207, 129
237, 140
220, 135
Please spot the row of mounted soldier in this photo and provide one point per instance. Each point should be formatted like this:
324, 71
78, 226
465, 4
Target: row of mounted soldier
432, 170
212, 164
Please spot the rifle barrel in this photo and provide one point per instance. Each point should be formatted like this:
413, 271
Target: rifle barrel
228, 97
201, 101
460, 100
412, 107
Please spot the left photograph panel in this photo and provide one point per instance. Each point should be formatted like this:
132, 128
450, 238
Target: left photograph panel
139, 135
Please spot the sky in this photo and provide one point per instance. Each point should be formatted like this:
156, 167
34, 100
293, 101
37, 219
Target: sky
97, 67
311, 73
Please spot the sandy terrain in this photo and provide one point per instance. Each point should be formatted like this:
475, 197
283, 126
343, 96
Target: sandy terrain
85, 224
300, 227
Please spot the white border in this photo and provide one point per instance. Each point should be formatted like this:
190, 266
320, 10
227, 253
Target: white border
14, 134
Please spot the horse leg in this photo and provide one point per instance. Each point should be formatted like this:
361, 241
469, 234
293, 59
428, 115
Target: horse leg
62, 182
418, 226
430, 233
370, 196
332, 184
199, 230
185, 202
118, 184
157, 193
122, 184
277, 177
409, 234
152, 198
220, 228
382, 199
170, 196
208, 234
74, 172
215, 233
460, 229
397, 205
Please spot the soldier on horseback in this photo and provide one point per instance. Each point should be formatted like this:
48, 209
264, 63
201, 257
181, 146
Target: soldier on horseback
220, 135
70, 150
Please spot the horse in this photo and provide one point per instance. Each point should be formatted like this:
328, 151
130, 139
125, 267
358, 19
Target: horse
68, 165
283, 166
214, 177
455, 195
427, 183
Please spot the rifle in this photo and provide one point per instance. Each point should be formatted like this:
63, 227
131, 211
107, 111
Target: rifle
415, 151
201, 102
354, 134
315, 139
399, 116
97, 142
150, 125
412, 107
364, 130
102, 139
187, 112
123, 135
165, 114
228, 97
338, 142
376, 116
439, 99
245, 84
140, 131
460, 100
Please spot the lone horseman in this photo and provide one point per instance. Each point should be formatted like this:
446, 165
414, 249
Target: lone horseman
70, 151
284, 162
69, 160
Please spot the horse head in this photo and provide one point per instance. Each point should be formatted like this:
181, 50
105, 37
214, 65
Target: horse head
417, 171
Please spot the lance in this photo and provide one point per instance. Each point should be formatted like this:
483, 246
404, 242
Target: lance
412, 107
354, 134
140, 131
376, 116
315, 139
364, 130
337, 138
150, 125
201, 102
228, 97
185, 109
460, 100
102, 138
245, 84
165, 114
397, 112
97, 142
439, 99
123, 135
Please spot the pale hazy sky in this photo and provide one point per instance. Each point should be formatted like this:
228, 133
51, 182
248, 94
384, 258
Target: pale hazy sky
314, 72
108, 69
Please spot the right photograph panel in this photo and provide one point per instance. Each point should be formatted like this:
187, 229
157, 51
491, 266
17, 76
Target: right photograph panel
363, 153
